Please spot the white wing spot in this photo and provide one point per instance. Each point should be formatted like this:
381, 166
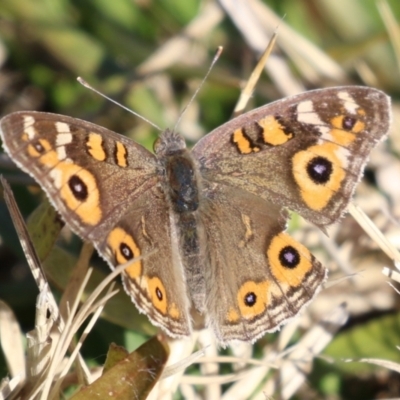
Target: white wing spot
62, 127
61, 153
64, 135
63, 138
343, 155
349, 103
307, 115
56, 175
29, 129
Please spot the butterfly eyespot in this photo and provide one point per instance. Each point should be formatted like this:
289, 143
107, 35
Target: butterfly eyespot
289, 257
38, 147
348, 123
344, 128
250, 299
78, 188
159, 294
319, 172
289, 261
126, 251
319, 169
124, 248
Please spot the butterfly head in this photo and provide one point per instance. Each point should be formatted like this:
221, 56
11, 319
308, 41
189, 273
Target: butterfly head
169, 143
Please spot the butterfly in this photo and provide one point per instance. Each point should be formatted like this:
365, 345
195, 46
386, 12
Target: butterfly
209, 222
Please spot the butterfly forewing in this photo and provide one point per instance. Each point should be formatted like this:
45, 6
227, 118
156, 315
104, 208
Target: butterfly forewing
306, 152
89, 173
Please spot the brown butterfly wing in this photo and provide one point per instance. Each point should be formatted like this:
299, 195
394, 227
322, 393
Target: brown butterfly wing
106, 188
305, 152
257, 276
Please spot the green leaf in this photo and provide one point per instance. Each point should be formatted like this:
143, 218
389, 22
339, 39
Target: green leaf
115, 355
375, 339
44, 226
131, 378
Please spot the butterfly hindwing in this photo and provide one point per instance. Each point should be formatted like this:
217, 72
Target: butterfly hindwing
258, 277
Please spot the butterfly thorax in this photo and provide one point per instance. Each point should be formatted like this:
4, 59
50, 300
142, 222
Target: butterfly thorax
179, 172
181, 188
182, 183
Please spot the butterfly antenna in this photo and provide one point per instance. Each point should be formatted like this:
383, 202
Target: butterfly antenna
86, 85
217, 55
